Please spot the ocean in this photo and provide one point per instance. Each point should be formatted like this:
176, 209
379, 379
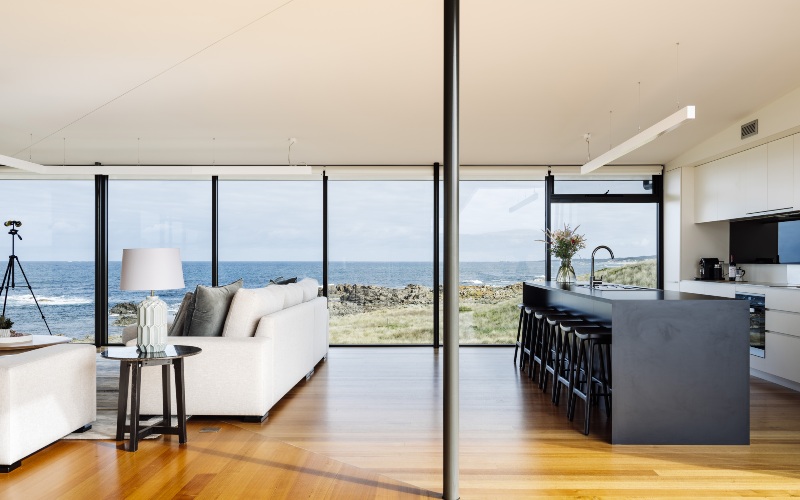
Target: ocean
65, 290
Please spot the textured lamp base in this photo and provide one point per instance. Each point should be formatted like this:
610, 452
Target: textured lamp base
152, 325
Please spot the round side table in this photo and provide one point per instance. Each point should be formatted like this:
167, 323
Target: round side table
131, 362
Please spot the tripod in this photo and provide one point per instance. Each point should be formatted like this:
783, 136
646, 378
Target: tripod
9, 278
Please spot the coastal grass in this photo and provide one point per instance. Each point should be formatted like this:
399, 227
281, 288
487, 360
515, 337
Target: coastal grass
639, 274
483, 317
479, 323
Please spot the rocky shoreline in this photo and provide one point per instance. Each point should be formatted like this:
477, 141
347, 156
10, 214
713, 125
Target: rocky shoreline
354, 299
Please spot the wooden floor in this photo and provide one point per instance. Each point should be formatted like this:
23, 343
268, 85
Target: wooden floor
368, 425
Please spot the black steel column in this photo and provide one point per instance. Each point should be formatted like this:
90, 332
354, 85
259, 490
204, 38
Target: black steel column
549, 185
451, 271
214, 230
658, 190
324, 234
100, 260
436, 255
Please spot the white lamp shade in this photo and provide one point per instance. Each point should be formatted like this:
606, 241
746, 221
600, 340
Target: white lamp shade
151, 269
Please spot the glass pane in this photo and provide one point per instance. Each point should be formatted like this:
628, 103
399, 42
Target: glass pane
56, 254
155, 214
380, 241
501, 223
603, 187
269, 230
629, 229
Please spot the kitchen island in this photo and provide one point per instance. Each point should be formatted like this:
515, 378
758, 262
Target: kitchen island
680, 361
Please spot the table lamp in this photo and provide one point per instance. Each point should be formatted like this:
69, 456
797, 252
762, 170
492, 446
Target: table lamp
151, 269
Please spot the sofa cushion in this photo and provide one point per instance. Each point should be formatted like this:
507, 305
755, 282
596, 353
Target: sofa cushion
180, 316
293, 294
310, 288
280, 280
248, 307
211, 306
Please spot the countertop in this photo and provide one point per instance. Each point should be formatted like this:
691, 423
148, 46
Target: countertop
749, 283
620, 295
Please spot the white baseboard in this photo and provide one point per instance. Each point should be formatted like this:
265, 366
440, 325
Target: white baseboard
775, 379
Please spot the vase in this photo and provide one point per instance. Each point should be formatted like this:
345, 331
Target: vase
566, 274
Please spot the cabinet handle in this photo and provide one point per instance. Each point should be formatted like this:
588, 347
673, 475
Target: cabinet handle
767, 211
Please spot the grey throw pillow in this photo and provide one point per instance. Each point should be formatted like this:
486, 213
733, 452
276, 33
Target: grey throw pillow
180, 317
211, 305
187, 322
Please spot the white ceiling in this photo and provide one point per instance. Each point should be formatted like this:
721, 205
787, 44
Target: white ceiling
360, 81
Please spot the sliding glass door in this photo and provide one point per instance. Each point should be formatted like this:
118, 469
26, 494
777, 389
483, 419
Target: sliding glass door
380, 243
501, 223
55, 247
148, 214
270, 230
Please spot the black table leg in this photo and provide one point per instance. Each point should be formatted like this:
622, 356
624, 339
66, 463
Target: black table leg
166, 396
180, 399
122, 404
136, 390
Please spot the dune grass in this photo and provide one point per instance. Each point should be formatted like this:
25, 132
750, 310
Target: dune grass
639, 274
479, 323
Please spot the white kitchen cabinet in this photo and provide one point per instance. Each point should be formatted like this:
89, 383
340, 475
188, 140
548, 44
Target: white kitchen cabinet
782, 299
705, 194
797, 171
753, 185
715, 289
783, 322
782, 354
727, 178
780, 174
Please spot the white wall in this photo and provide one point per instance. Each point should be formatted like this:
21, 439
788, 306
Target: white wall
778, 119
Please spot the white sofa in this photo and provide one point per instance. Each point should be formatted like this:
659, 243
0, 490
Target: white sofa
45, 394
273, 338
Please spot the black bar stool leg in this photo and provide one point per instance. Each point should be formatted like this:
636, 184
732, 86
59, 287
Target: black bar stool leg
519, 332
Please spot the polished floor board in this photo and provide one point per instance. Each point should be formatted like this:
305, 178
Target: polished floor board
368, 424
231, 463
380, 409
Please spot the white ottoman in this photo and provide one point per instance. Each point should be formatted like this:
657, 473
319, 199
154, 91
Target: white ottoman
45, 394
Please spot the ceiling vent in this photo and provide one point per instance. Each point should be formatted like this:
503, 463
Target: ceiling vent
750, 129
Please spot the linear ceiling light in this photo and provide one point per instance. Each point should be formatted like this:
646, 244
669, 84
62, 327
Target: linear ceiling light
12, 162
666, 125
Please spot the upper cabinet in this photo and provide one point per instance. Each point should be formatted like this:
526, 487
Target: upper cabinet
755, 182
705, 192
797, 171
780, 174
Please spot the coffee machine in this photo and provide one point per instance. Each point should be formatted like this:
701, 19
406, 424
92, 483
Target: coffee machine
710, 269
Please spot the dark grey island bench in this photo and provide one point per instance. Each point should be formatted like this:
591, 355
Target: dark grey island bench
680, 361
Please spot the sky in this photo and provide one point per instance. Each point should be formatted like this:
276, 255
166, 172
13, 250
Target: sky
282, 220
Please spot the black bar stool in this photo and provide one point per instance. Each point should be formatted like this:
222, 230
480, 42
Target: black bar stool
547, 354
527, 324
585, 376
565, 354
519, 332
534, 340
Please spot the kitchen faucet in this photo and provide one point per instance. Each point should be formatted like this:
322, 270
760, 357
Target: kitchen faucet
592, 281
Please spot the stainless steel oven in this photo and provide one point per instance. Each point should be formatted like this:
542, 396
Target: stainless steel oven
757, 317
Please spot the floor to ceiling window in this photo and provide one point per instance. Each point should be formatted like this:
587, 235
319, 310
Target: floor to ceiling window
56, 254
614, 213
270, 230
150, 214
380, 242
500, 227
